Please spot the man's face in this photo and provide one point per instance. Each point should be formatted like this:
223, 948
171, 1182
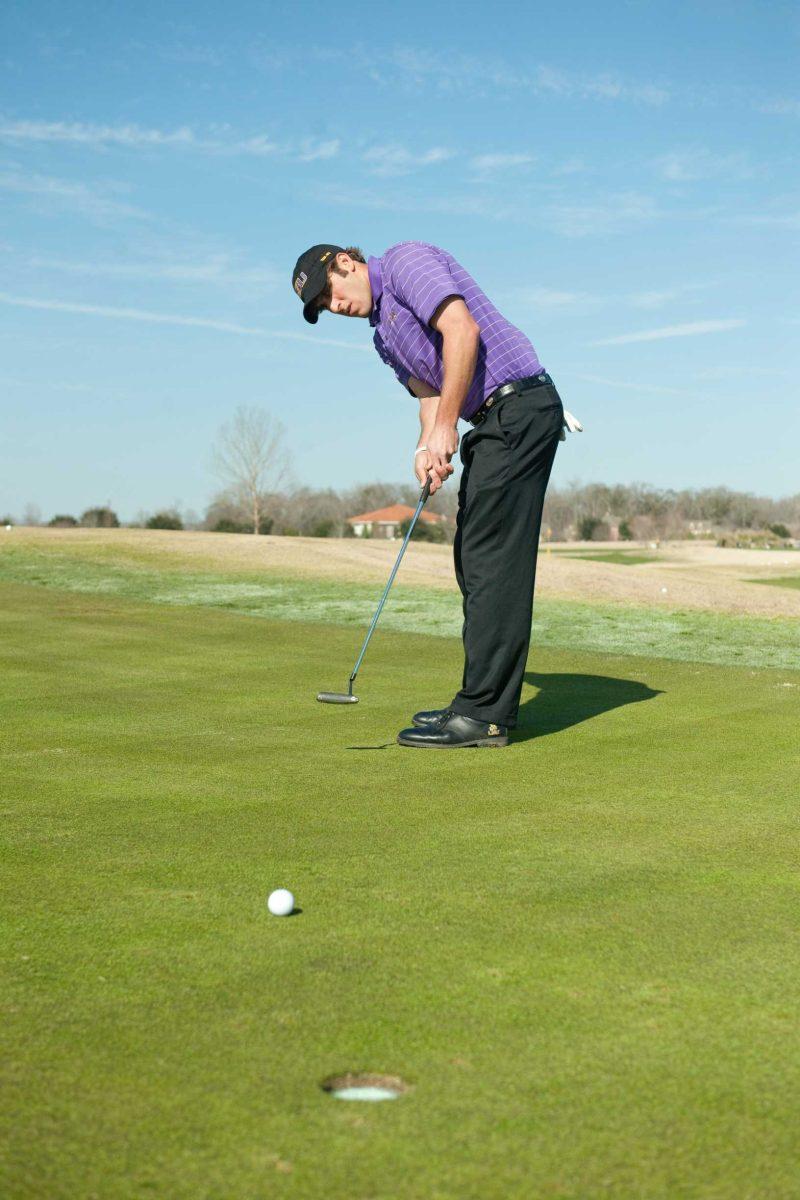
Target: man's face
347, 295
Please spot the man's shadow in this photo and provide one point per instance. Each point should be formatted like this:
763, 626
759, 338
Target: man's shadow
566, 699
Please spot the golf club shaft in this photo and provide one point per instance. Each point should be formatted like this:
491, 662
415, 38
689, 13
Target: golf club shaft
426, 491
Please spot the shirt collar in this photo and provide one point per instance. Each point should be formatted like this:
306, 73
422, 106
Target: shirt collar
376, 286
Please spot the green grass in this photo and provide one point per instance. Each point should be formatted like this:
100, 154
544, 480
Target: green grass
686, 635
580, 951
624, 557
786, 581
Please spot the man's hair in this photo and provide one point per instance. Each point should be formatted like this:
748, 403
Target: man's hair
356, 254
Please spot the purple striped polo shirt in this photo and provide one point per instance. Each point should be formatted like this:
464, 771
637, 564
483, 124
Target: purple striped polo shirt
408, 284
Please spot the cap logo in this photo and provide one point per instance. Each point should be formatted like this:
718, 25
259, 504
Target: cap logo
327, 254
300, 282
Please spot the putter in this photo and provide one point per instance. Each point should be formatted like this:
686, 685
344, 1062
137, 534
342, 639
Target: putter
348, 697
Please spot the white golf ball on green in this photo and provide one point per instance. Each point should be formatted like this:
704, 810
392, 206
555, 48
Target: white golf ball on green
280, 902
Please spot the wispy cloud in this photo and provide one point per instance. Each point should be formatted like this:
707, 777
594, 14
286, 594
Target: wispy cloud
219, 270
609, 214
789, 220
626, 385
157, 318
93, 135
689, 165
310, 151
605, 86
412, 67
787, 107
544, 298
220, 139
92, 202
500, 162
398, 160
61, 385
454, 206
192, 55
657, 298
691, 329
570, 166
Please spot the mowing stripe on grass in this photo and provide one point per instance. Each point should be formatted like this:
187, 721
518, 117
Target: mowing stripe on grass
785, 581
686, 635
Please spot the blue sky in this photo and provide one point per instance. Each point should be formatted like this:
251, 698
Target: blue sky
622, 179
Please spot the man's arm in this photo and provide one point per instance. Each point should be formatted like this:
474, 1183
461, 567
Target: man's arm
428, 405
460, 341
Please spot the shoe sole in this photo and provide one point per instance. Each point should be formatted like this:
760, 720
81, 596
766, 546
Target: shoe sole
482, 744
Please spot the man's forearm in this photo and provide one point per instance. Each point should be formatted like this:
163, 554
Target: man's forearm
428, 407
459, 356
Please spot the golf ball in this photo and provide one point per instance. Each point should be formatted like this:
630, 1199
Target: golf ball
280, 902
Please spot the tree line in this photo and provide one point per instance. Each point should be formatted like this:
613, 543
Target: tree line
258, 496
592, 511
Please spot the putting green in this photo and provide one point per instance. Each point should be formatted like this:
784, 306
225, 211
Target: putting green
580, 952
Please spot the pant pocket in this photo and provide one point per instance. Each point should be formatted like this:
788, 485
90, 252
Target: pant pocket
516, 418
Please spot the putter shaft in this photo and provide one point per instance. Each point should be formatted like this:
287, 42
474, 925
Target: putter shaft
426, 491
339, 697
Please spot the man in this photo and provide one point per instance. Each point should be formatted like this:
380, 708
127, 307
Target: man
451, 348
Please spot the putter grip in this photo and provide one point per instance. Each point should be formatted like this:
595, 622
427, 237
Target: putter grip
426, 491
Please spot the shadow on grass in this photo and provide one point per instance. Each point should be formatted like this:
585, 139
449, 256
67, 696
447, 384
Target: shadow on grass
566, 699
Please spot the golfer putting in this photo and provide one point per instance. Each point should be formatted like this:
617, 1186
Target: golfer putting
450, 348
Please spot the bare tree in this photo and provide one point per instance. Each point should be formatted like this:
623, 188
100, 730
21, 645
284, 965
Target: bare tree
251, 459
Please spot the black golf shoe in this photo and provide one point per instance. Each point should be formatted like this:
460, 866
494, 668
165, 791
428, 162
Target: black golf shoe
450, 731
428, 716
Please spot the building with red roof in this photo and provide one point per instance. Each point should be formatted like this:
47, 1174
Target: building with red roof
385, 522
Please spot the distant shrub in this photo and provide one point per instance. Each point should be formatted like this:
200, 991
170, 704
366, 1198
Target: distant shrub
99, 518
749, 539
593, 529
423, 531
226, 525
164, 520
625, 531
62, 521
780, 530
325, 528
7, 521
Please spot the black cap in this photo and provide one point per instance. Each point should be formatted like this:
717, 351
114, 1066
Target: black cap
310, 277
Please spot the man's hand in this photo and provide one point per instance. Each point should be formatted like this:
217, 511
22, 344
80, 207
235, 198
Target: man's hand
423, 468
442, 444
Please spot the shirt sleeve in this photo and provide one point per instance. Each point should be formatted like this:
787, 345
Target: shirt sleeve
420, 280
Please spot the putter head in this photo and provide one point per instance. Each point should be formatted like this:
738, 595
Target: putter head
336, 698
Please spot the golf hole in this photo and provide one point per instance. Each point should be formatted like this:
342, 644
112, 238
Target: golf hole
364, 1087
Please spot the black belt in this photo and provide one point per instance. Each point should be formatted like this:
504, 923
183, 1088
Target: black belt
516, 386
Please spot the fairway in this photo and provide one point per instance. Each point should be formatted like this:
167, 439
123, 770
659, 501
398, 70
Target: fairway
783, 581
580, 952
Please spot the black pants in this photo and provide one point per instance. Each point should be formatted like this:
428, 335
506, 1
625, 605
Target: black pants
507, 461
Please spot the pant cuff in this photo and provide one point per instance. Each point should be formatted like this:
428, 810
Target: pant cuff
481, 714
